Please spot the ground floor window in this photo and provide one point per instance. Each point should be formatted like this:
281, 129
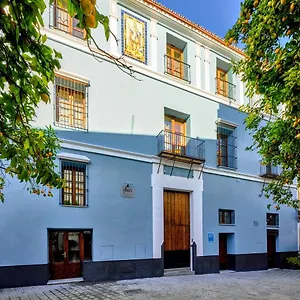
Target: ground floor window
226, 217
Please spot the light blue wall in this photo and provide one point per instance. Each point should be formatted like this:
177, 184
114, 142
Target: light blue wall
242, 196
122, 227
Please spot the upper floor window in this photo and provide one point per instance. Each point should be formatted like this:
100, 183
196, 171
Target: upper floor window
272, 219
175, 58
70, 103
224, 81
226, 147
61, 20
74, 193
175, 61
226, 217
175, 134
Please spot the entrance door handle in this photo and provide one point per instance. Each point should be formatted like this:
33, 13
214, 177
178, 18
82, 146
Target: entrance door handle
64, 254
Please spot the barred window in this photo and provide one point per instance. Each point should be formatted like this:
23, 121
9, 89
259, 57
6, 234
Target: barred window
71, 103
226, 216
272, 219
74, 193
61, 20
226, 148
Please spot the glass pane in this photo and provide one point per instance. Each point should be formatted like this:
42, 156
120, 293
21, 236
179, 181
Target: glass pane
87, 245
57, 239
168, 125
74, 250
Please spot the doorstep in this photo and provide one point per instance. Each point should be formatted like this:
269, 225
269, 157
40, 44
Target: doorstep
66, 280
178, 272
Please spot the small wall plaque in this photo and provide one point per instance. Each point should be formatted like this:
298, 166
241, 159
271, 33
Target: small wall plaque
210, 237
127, 191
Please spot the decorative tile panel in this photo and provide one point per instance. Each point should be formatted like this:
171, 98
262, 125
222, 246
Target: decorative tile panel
134, 37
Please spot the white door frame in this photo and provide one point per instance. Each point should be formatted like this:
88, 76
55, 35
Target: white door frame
194, 186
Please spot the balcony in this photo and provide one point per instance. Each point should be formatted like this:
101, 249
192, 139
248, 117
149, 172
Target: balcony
177, 68
225, 88
182, 148
269, 171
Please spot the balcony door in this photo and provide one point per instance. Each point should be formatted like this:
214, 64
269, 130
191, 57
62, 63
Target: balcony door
175, 135
222, 82
175, 61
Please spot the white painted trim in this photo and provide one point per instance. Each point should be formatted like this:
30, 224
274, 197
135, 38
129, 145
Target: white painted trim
198, 66
73, 157
226, 123
160, 182
80, 146
73, 76
206, 70
153, 45
113, 26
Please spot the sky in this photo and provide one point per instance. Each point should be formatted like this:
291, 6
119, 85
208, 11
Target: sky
215, 15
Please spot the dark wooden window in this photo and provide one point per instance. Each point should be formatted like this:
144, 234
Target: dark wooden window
61, 20
226, 216
74, 193
226, 148
71, 103
272, 219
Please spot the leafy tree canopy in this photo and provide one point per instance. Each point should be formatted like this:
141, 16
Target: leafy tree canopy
270, 32
27, 66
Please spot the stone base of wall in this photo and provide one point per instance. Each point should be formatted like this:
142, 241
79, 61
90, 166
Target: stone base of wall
281, 259
16, 276
248, 262
124, 269
207, 264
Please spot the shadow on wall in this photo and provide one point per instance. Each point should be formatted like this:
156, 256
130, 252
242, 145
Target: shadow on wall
226, 149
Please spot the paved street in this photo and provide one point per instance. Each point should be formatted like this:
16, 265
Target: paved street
273, 284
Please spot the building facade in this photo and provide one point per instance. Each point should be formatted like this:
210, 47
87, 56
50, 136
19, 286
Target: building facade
156, 168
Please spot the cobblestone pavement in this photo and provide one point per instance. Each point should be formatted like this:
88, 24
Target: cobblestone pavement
272, 284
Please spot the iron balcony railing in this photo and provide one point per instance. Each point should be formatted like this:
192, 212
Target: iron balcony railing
269, 170
177, 68
180, 145
225, 88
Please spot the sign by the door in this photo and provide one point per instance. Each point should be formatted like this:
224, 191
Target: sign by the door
127, 190
210, 237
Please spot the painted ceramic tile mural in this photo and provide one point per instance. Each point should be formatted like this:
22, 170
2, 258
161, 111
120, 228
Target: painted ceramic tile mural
134, 37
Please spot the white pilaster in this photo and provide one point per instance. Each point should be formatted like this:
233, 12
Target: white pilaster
153, 44
241, 95
113, 25
198, 65
207, 69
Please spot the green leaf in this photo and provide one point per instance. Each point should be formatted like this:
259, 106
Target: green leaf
26, 144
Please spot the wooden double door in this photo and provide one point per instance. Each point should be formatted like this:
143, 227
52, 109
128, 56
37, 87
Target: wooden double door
66, 254
176, 229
